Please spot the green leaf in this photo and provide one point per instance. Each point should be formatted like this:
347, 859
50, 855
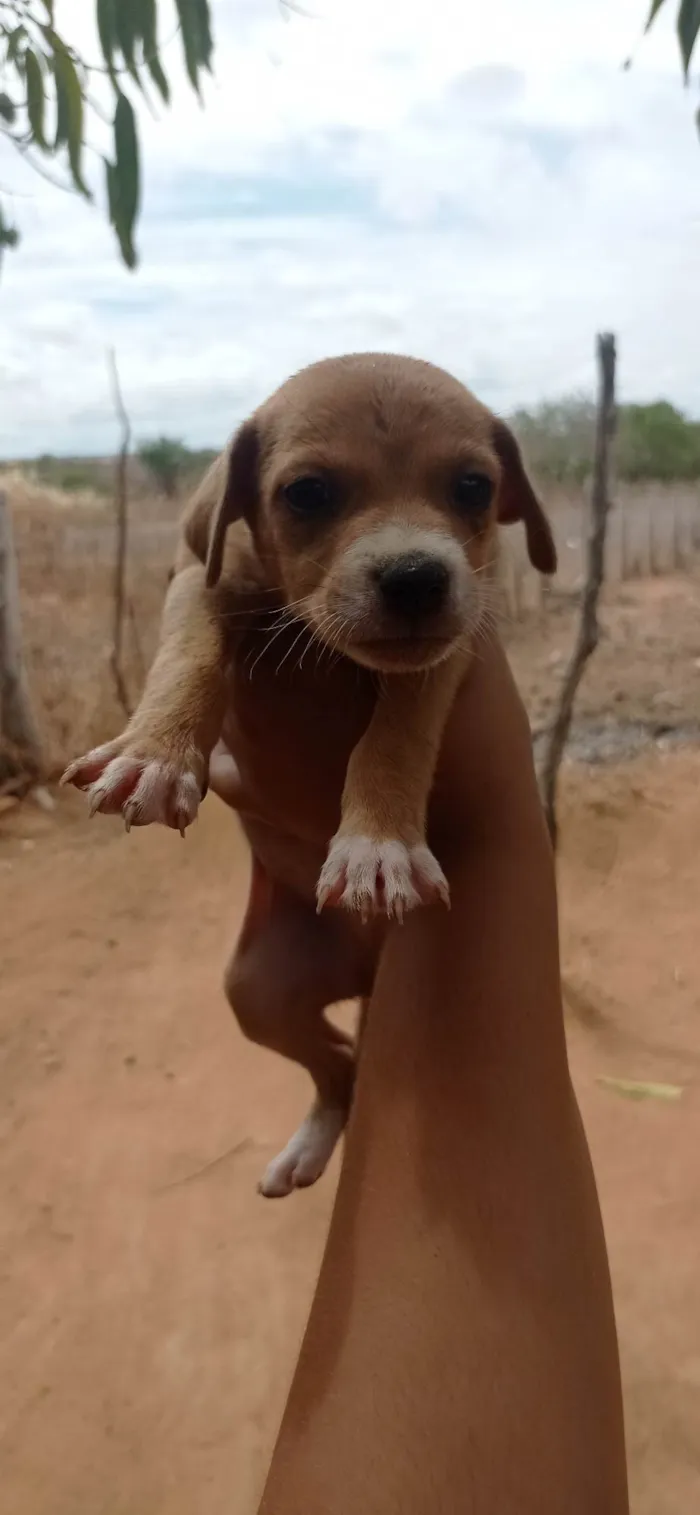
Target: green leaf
195, 25
688, 28
127, 158
7, 110
206, 40
128, 23
155, 70
36, 100
636, 1089
69, 122
150, 50
126, 245
15, 44
62, 131
107, 30
656, 7
123, 189
9, 235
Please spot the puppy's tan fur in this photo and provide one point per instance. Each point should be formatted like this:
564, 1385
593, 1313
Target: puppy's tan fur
392, 435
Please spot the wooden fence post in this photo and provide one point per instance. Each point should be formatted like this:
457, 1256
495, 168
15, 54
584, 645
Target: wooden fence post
21, 764
588, 633
121, 501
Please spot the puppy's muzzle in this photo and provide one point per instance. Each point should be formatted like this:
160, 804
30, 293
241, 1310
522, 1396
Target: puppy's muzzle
413, 587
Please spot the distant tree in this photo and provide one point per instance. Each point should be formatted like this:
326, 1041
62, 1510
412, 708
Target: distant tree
48, 94
167, 462
657, 442
654, 441
558, 437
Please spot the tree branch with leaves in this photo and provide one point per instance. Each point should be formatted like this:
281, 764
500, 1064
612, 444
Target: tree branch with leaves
687, 29
46, 95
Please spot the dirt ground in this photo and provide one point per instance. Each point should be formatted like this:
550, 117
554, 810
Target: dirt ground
150, 1304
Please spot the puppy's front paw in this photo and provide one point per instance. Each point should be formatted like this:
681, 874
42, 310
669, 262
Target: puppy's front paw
380, 878
123, 776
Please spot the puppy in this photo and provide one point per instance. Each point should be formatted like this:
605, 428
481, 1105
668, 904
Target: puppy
343, 546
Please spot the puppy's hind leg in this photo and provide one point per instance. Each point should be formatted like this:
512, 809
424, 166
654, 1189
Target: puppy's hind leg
288, 967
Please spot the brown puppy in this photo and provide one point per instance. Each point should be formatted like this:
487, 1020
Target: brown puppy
362, 502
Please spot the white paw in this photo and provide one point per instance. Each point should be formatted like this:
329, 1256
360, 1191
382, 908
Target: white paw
143, 788
380, 878
306, 1156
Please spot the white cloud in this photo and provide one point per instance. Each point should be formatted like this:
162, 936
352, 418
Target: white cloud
481, 186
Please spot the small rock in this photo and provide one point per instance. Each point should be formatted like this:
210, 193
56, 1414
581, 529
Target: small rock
43, 799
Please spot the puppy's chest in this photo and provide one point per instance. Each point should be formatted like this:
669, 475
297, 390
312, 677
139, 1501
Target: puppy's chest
291, 730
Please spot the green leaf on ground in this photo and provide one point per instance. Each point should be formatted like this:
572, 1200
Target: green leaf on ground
633, 1088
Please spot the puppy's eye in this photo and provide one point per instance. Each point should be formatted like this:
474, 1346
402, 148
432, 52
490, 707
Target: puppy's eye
310, 496
472, 492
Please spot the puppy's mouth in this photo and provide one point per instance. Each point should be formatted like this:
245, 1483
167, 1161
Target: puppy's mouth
408, 653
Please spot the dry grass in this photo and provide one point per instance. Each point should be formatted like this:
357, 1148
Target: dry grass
65, 546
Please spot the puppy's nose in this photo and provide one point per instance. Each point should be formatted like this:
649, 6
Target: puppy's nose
414, 585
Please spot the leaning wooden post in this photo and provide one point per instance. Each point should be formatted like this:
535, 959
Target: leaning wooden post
121, 501
588, 632
21, 763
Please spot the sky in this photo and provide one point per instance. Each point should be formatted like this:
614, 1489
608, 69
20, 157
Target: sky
478, 184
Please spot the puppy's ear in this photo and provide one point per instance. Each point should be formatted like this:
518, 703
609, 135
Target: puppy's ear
238, 498
517, 501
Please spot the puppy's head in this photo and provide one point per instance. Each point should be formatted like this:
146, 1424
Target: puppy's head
373, 486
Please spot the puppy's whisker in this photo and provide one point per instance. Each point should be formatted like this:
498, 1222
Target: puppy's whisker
304, 631
326, 631
323, 629
268, 642
333, 647
317, 636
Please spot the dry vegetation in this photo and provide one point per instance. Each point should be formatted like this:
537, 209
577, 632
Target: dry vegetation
65, 547
65, 544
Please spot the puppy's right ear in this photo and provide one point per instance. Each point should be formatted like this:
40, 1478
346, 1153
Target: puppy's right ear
240, 493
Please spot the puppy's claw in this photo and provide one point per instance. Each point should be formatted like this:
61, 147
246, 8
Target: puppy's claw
380, 878
129, 814
94, 802
84, 771
143, 788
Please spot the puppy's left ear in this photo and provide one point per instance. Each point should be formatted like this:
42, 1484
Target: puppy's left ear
239, 493
517, 501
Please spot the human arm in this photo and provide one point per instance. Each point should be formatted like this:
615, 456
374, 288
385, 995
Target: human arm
461, 1355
